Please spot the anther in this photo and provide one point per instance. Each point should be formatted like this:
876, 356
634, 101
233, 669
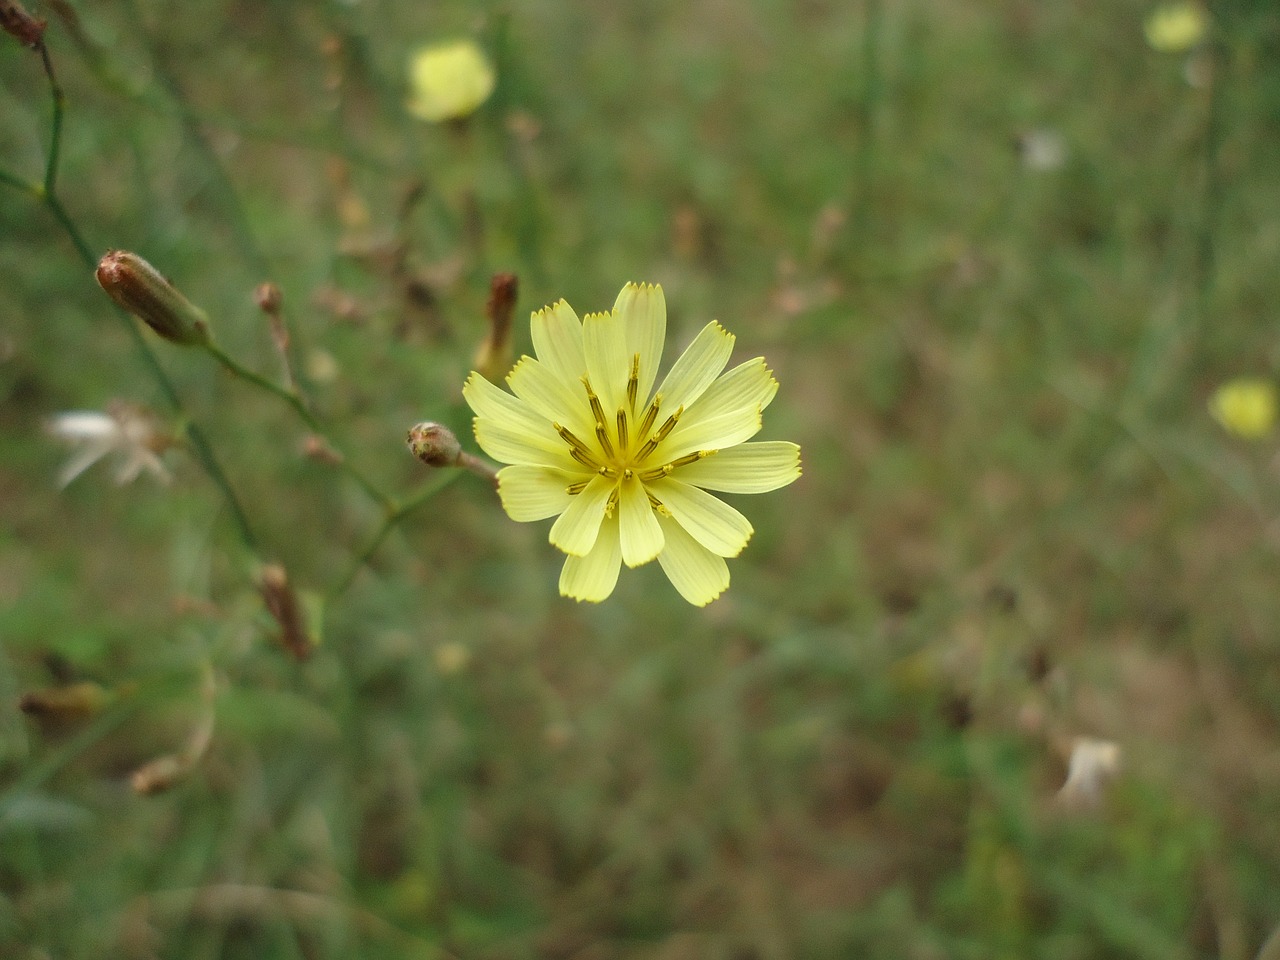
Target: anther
576, 488
622, 430
611, 502
650, 416
602, 435
633, 383
652, 443
596, 409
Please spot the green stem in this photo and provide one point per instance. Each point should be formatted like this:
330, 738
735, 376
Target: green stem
46, 194
299, 406
55, 136
394, 514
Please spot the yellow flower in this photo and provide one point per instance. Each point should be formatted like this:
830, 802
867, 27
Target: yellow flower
449, 80
626, 468
1176, 27
1245, 407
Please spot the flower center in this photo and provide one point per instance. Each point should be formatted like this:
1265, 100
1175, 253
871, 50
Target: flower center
621, 453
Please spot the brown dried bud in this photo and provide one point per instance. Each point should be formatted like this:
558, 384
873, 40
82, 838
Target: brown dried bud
434, 444
160, 774
64, 705
282, 603
493, 359
16, 21
268, 298
141, 289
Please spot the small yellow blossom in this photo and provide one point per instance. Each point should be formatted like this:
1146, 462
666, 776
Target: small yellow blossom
1245, 407
1176, 27
626, 468
449, 80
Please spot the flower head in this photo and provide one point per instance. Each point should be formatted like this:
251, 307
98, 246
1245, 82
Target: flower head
624, 466
1245, 407
128, 432
449, 80
1176, 27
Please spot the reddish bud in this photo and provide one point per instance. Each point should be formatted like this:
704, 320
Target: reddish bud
15, 21
141, 289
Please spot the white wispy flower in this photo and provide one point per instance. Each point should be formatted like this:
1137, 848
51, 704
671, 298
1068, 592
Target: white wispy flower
626, 467
125, 432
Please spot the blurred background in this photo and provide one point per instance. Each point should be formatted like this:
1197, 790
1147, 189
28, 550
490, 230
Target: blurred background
997, 678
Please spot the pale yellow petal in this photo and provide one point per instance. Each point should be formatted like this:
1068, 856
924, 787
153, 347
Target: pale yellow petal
534, 493
559, 401
641, 535
643, 310
698, 574
594, 576
557, 340
708, 519
576, 530
512, 445
695, 433
746, 468
749, 385
697, 367
605, 343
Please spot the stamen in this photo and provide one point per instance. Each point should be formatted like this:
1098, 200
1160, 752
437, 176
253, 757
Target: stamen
585, 459
602, 434
611, 502
610, 473
622, 430
657, 473
576, 488
633, 383
658, 505
689, 458
652, 443
568, 436
596, 409
650, 417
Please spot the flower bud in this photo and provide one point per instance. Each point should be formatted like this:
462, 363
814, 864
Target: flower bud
16, 21
493, 359
140, 288
268, 298
449, 81
282, 603
64, 705
434, 444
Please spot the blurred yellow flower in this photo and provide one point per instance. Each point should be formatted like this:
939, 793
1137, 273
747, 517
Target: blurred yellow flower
449, 80
1176, 27
1245, 407
626, 468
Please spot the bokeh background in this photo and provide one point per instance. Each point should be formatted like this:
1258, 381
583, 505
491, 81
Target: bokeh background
1000, 254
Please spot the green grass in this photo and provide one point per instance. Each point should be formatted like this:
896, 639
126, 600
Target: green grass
1017, 523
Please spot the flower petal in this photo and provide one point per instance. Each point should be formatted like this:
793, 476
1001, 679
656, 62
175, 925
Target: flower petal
643, 311
594, 576
709, 520
557, 340
697, 367
746, 468
695, 571
695, 433
534, 493
513, 445
576, 530
749, 385
641, 535
605, 342
559, 401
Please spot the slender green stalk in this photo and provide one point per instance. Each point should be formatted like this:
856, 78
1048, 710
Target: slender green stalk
299, 406
55, 125
45, 193
394, 514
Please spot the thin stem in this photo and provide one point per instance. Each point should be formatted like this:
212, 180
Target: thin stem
45, 193
295, 401
395, 513
55, 136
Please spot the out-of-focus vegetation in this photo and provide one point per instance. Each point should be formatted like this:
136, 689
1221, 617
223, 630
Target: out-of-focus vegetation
1000, 255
